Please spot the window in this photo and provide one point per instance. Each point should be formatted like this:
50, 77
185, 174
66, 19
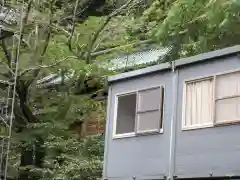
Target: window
198, 107
212, 101
139, 112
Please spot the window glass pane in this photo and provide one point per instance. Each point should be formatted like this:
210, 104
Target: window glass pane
126, 112
228, 85
199, 101
149, 121
228, 110
149, 99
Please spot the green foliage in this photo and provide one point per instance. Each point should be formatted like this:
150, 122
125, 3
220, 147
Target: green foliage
49, 115
74, 158
142, 27
201, 26
157, 12
68, 158
68, 155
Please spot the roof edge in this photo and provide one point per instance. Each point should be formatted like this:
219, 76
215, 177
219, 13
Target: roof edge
180, 62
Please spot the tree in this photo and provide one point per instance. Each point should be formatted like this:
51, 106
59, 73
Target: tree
199, 26
37, 26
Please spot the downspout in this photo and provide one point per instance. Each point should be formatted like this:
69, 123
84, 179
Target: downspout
172, 147
107, 133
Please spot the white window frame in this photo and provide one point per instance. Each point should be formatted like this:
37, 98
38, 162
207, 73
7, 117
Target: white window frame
214, 99
115, 135
198, 126
134, 133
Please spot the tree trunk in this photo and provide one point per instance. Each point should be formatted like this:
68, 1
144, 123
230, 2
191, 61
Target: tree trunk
26, 160
34, 156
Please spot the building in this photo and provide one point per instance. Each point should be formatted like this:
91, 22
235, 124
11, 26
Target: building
176, 121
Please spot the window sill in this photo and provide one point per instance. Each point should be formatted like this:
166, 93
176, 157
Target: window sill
227, 123
126, 135
149, 132
133, 134
188, 128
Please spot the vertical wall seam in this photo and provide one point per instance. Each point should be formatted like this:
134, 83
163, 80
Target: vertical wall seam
172, 147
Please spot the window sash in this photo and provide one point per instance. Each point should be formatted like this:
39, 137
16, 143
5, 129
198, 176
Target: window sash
153, 115
224, 95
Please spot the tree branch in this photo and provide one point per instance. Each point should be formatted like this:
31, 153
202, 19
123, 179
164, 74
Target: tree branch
4, 82
79, 52
24, 22
22, 87
61, 29
45, 46
108, 19
22, 91
44, 66
24, 41
73, 30
96, 35
7, 67
6, 52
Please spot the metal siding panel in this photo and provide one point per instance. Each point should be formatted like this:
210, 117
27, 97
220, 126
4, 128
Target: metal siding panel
142, 156
202, 151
